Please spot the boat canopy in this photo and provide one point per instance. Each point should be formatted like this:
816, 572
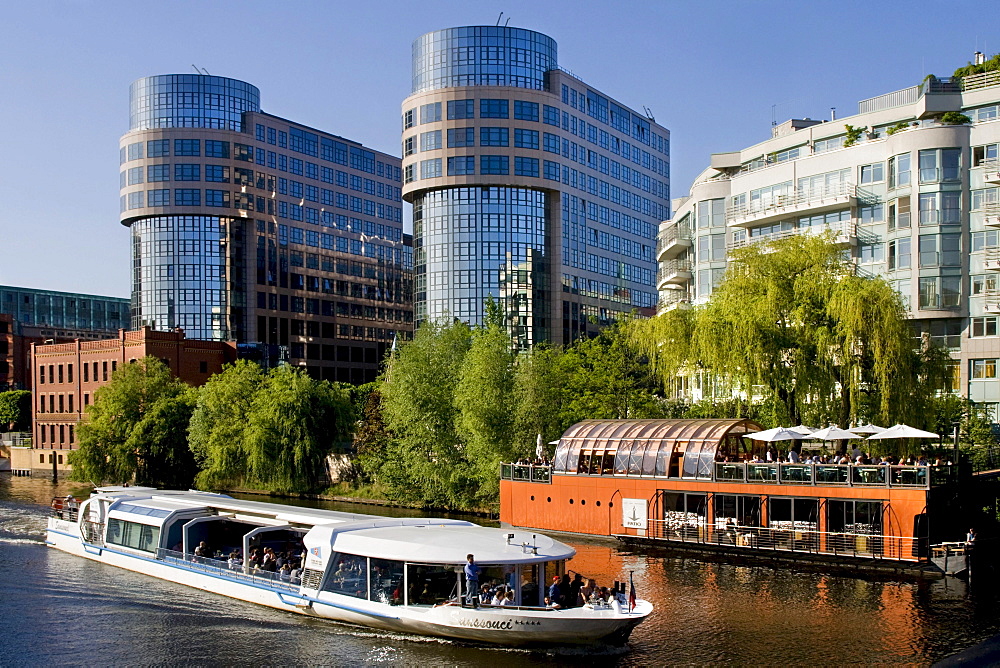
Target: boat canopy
648, 447
435, 541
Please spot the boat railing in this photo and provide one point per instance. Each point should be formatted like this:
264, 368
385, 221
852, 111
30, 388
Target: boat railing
526, 472
93, 532
850, 475
788, 536
65, 508
221, 568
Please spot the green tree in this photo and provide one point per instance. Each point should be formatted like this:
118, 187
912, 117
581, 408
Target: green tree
485, 407
218, 427
15, 410
134, 431
293, 424
425, 461
538, 380
793, 325
371, 439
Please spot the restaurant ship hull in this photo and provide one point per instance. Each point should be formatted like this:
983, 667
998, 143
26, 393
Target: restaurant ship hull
508, 626
689, 484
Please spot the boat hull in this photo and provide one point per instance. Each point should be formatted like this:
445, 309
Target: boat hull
500, 626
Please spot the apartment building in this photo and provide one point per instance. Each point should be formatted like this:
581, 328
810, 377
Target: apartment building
908, 189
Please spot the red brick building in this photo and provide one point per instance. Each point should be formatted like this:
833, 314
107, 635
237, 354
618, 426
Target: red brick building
66, 375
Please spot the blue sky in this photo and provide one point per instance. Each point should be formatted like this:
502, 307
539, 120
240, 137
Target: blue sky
709, 71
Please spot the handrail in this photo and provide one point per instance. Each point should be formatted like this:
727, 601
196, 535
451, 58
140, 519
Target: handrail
541, 473
843, 232
791, 202
786, 536
224, 570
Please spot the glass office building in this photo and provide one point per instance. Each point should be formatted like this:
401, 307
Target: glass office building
249, 227
528, 186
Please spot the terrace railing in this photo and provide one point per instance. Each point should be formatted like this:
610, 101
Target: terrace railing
526, 472
786, 536
849, 475
222, 569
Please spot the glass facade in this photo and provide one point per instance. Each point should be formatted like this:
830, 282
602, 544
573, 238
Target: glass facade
482, 56
478, 242
190, 101
179, 277
66, 310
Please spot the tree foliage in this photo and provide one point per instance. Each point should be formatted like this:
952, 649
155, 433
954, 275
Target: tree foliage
270, 430
792, 325
219, 423
135, 429
15, 410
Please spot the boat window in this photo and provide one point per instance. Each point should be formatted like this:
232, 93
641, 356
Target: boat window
860, 517
530, 591
385, 581
742, 510
141, 510
131, 534
429, 585
348, 575
792, 513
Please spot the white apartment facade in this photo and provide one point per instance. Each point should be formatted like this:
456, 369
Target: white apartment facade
912, 199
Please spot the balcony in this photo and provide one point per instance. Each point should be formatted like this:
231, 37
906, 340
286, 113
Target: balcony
991, 171
991, 214
673, 272
844, 235
762, 211
672, 299
984, 80
991, 300
672, 241
991, 259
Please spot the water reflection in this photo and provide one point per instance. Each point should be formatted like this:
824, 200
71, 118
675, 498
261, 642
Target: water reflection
706, 612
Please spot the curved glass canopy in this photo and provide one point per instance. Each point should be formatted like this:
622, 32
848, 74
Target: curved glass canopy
676, 448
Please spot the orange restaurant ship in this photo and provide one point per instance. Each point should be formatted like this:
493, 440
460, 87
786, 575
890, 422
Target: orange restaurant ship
692, 483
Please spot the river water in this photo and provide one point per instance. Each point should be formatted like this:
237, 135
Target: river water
60, 610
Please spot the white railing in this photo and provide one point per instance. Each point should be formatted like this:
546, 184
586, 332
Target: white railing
793, 202
784, 536
984, 80
671, 235
888, 100
843, 232
672, 268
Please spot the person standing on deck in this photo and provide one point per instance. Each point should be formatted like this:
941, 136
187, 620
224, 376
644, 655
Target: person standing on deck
472, 571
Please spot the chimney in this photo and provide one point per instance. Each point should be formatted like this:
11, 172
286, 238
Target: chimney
833, 113
978, 58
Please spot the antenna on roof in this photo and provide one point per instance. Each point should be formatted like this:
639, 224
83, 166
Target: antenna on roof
774, 120
205, 71
195, 68
499, 17
200, 70
649, 114
506, 22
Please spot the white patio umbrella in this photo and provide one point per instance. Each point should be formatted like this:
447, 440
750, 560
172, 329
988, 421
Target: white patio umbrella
776, 434
902, 431
833, 433
802, 429
867, 429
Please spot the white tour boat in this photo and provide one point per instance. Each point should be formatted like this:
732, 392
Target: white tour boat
397, 574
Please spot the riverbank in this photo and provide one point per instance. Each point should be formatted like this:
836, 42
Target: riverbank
362, 500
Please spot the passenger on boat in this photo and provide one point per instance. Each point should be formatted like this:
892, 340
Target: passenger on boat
269, 562
234, 560
202, 550
285, 572
499, 596
472, 571
508, 598
549, 603
574, 590
586, 591
555, 595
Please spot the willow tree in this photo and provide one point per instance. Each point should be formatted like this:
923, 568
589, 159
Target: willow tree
135, 431
425, 461
792, 323
218, 426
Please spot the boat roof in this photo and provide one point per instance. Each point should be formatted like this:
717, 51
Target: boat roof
439, 541
179, 500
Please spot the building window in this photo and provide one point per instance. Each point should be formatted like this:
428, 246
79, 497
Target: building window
985, 326
134, 176
494, 164
217, 198
187, 197
216, 149
461, 137
135, 200
525, 111
158, 148
550, 115
494, 137
983, 369
494, 108
187, 172
430, 141
459, 109
940, 292
158, 197
525, 166
463, 165
187, 147
217, 173
874, 173
899, 170
526, 138
899, 254
940, 164
156, 173
430, 169
987, 153
409, 146
430, 113
408, 119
